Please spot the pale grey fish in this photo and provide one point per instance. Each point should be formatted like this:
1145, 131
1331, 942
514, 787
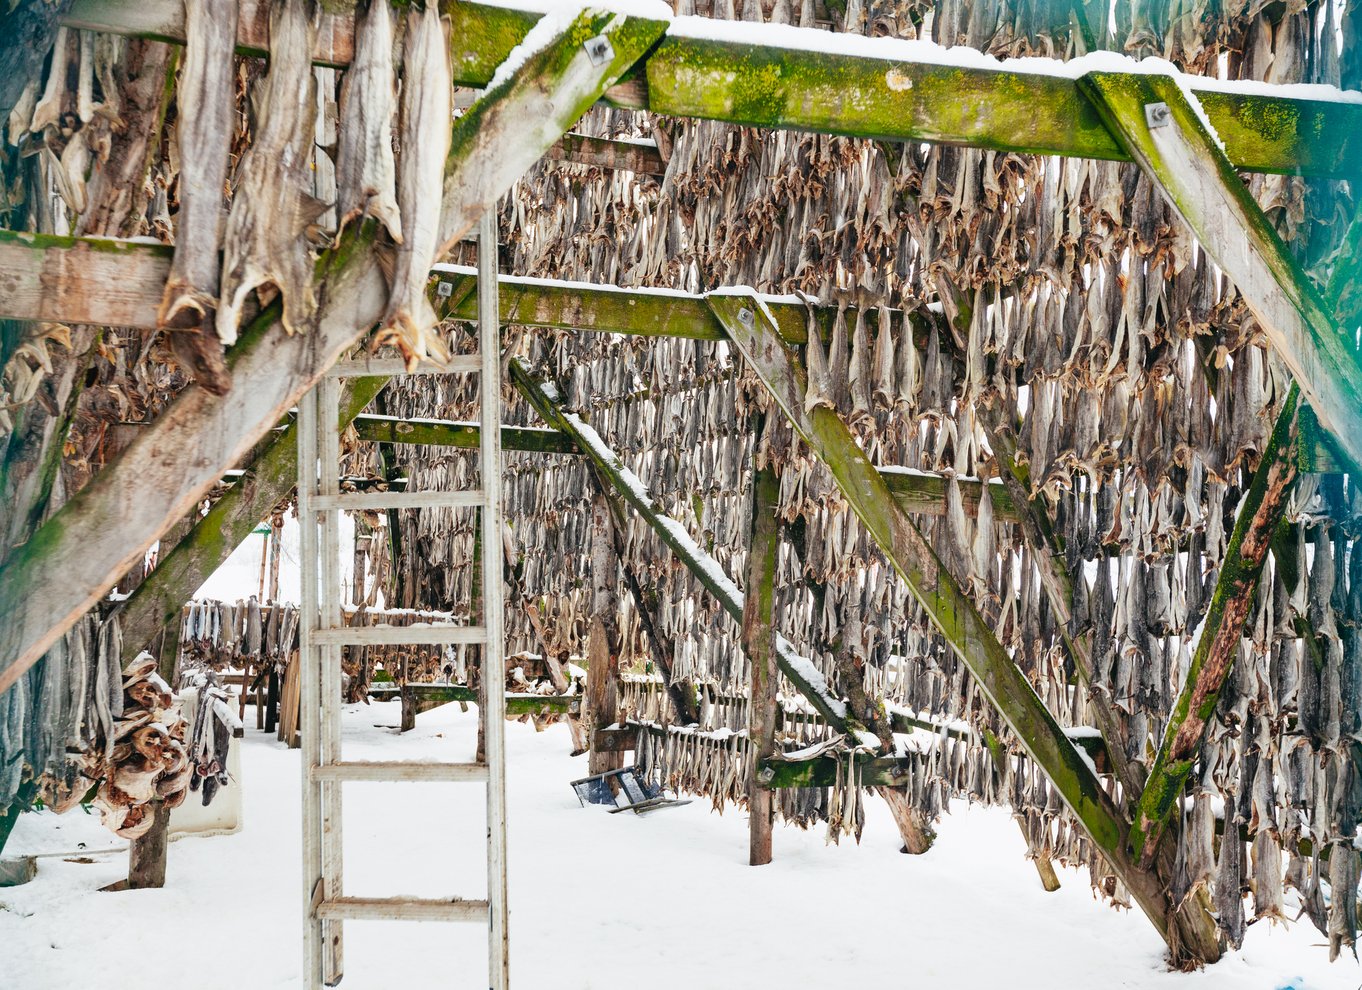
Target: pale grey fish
206, 98
266, 240
423, 135
366, 175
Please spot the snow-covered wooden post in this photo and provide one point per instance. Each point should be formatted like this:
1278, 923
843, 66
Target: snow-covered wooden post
759, 642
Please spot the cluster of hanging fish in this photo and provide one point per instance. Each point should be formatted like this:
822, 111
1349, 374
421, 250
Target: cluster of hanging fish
144, 757
215, 634
65, 706
214, 725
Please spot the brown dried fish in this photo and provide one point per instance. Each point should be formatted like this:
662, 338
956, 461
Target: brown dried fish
272, 209
366, 177
203, 130
424, 135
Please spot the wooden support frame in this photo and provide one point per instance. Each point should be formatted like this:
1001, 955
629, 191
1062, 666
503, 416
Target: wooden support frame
1260, 514
956, 617
112, 522
1164, 134
901, 95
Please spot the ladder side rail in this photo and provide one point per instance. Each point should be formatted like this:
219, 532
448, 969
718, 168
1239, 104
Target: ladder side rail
493, 662
309, 722
328, 415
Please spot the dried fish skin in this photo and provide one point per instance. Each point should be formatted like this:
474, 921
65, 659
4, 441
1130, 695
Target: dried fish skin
203, 131
271, 209
424, 135
366, 174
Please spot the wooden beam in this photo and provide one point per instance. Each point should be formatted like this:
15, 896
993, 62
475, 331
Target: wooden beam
950, 610
1260, 514
112, 522
447, 433
799, 670
516, 704
897, 93
758, 642
642, 157
1196, 177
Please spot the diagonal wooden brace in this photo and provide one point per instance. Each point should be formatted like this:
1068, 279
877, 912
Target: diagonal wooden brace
1260, 512
81, 552
799, 670
953, 613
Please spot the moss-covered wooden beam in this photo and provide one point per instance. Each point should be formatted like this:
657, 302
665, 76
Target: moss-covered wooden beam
73, 560
953, 614
435, 695
891, 92
447, 433
799, 670
183, 568
1260, 514
1163, 133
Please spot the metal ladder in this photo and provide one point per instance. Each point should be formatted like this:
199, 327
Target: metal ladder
322, 634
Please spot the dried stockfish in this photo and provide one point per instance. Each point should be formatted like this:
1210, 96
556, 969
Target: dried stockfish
1267, 876
203, 131
266, 239
366, 178
424, 139
1343, 874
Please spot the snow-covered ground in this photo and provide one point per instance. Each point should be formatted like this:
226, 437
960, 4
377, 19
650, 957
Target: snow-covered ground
598, 901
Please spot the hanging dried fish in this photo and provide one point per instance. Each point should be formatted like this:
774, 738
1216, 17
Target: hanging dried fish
424, 136
366, 178
203, 130
272, 211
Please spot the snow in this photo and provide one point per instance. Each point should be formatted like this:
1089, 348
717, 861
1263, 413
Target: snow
674, 906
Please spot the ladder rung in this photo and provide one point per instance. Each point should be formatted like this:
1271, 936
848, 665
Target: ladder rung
398, 500
402, 771
400, 909
435, 634
458, 364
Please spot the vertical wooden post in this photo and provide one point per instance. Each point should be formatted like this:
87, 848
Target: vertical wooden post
147, 855
758, 640
603, 651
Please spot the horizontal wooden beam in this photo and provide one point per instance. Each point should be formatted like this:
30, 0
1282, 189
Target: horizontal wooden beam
448, 433
434, 695
781, 77
119, 282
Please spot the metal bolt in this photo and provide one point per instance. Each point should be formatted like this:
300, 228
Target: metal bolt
444, 289
599, 50
1157, 114
745, 317
766, 774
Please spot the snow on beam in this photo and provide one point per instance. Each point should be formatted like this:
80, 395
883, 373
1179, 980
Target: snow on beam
778, 76
800, 671
1168, 136
953, 613
79, 554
